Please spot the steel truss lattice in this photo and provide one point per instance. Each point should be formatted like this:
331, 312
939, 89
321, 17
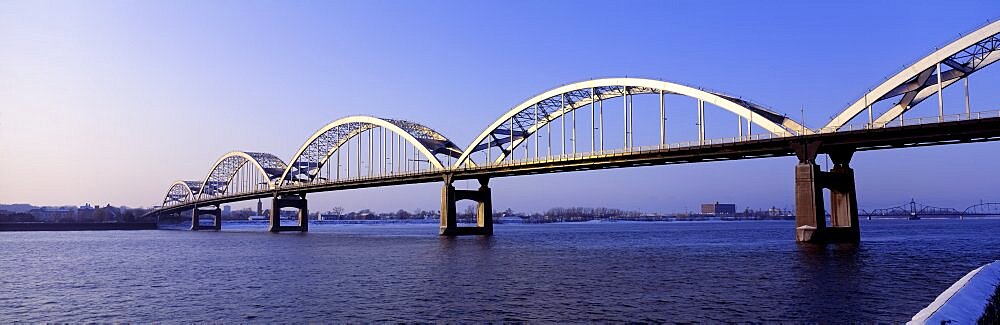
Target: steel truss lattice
182, 191
218, 180
528, 117
307, 163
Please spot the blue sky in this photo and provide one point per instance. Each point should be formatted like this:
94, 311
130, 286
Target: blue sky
111, 101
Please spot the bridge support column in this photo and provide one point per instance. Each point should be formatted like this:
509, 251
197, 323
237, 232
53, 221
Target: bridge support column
843, 198
810, 212
289, 201
810, 217
484, 211
212, 210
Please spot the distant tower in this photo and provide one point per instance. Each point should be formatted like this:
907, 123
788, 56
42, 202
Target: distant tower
259, 206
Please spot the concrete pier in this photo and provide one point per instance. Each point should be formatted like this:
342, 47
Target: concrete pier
289, 201
484, 211
212, 210
810, 212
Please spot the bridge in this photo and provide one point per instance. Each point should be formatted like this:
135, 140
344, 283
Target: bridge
916, 210
564, 130
912, 210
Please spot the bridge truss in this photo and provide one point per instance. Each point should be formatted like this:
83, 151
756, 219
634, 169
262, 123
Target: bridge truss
568, 128
911, 210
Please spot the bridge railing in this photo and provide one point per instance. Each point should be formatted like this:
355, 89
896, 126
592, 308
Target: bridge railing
728, 140
914, 121
363, 178
629, 150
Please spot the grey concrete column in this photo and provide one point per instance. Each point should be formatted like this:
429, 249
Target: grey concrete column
449, 223
484, 218
304, 215
810, 215
194, 219
217, 219
809, 211
275, 218
843, 199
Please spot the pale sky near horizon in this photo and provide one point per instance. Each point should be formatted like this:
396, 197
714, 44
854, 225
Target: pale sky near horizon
111, 101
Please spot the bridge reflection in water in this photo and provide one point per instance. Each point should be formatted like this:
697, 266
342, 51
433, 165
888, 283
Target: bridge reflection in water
564, 129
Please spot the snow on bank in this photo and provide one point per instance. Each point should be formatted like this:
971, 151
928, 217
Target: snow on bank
965, 301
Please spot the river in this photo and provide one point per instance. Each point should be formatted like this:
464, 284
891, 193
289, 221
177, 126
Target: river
749, 271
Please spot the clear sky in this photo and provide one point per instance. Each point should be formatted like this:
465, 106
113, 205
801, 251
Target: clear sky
111, 101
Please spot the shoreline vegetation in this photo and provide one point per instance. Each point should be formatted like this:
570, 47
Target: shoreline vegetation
991, 315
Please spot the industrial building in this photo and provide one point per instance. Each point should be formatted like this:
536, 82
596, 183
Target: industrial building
718, 208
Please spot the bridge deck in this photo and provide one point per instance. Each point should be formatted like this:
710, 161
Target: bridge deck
928, 134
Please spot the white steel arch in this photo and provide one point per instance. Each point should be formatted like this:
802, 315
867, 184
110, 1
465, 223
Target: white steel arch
224, 169
181, 191
583, 93
316, 151
957, 61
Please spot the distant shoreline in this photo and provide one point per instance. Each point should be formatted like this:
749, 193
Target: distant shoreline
435, 222
76, 226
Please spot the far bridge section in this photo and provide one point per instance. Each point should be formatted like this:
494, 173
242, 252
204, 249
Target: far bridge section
569, 128
916, 211
912, 211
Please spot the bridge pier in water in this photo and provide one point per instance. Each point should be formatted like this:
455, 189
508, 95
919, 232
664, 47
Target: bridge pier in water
810, 212
289, 201
484, 211
212, 210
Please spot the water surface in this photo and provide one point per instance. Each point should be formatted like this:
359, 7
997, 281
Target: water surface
594, 272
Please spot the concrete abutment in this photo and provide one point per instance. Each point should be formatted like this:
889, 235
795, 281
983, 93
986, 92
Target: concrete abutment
212, 210
484, 211
289, 201
810, 211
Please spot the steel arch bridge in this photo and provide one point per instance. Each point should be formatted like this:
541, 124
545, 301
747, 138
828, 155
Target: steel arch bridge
927, 77
181, 192
520, 123
405, 137
542, 135
911, 210
987, 209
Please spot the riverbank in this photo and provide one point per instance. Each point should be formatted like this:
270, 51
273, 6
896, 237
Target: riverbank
975, 298
76, 226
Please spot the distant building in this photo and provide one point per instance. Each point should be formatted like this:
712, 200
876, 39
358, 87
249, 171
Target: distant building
226, 210
51, 214
288, 215
718, 208
85, 212
327, 216
511, 219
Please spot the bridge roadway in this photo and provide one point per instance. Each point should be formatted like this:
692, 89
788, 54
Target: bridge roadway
806, 147
241, 175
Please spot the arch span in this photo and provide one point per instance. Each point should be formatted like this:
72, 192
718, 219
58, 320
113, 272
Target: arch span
317, 150
181, 191
267, 165
554, 103
915, 83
